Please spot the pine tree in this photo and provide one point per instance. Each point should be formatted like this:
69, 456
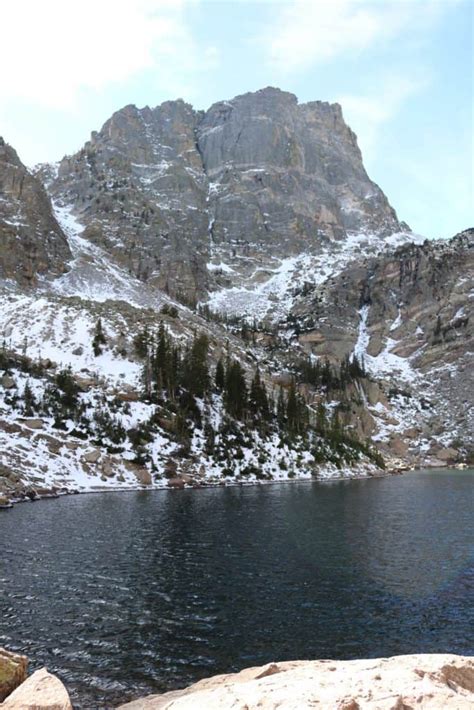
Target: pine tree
281, 408
160, 359
220, 375
29, 401
142, 342
235, 390
99, 339
69, 388
321, 419
292, 409
195, 367
258, 400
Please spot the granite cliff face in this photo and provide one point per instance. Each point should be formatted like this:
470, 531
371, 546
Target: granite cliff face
139, 189
407, 314
286, 175
31, 241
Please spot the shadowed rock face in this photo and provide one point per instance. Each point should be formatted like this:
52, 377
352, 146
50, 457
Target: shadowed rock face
31, 241
163, 189
139, 188
416, 305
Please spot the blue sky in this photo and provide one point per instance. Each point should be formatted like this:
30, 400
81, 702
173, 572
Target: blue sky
402, 71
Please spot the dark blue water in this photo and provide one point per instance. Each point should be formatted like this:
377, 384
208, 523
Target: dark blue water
123, 594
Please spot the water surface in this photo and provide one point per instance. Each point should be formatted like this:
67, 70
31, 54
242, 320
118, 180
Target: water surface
123, 594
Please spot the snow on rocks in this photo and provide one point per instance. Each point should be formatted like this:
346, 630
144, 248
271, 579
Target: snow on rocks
62, 331
92, 274
269, 292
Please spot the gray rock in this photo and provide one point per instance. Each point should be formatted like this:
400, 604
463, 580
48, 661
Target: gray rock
31, 241
164, 189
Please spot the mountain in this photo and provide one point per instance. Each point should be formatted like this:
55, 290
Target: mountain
170, 189
248, 235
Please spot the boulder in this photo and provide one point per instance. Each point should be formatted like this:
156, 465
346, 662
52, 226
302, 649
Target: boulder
107, 468
12, 671
128, 396
7, 382
398, 446
41, 691
431, 682
176, 482
92, 456
142, 474
449, 455
33, 423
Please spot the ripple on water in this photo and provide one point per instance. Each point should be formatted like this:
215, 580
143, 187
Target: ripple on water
133, 593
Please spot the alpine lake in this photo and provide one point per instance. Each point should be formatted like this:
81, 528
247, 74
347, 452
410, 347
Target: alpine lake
130, 593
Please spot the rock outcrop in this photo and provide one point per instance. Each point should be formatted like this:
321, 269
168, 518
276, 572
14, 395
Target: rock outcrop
41, 691
12, 671
31, 241
428, 681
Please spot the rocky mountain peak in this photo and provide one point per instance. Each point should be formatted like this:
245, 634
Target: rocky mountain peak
169, 190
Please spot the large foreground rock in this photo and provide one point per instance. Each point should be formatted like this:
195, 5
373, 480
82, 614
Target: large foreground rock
12, 670
42, 691
428, 681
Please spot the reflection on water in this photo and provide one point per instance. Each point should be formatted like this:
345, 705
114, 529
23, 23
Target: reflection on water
129, 593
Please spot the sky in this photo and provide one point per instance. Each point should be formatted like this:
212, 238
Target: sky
401, 69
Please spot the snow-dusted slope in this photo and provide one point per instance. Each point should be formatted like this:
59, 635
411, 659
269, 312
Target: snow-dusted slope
93, 275
268, 291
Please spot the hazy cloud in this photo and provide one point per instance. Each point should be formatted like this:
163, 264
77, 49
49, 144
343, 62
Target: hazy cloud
367, 113
309, 32
52, 49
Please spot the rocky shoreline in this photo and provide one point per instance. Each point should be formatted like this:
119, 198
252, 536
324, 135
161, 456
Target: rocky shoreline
428, 681
33, 495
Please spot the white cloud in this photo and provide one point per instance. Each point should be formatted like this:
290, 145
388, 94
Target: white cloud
52, 49
367, 114
309, 32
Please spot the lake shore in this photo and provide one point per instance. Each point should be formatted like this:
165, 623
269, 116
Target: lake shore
430, 681
42, 493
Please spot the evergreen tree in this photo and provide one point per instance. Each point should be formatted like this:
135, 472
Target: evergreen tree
99, 339
142, 342
258, 400
195, 367
220, 375
292, 409
281, 408
235, 390
296, 411
336, 427
29, 401
69, 388
321, 419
